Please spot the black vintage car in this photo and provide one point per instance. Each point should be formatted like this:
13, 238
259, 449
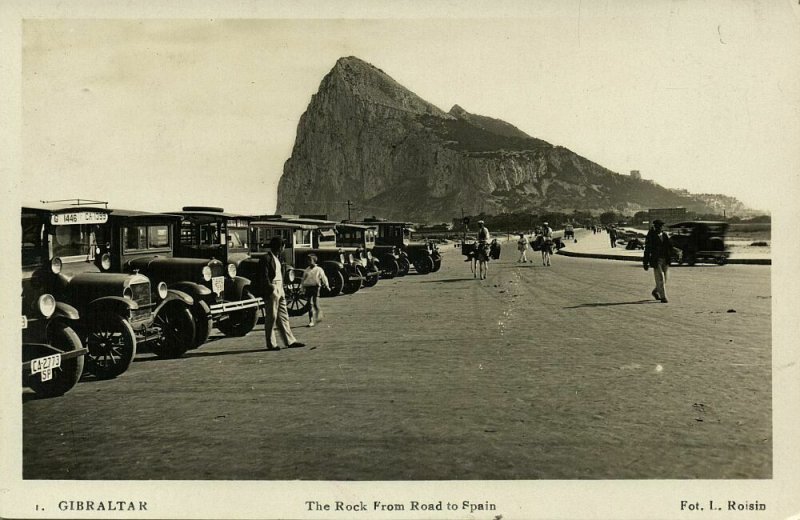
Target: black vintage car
699, 241
64, 254
396, 236
360, 240
317, 236
52, 352
210, 233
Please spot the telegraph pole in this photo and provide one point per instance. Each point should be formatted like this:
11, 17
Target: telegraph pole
349, 204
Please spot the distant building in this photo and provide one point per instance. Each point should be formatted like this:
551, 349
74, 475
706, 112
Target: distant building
668, 215
636, 175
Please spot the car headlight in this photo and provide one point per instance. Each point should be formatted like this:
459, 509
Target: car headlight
162, 290
47, 305
369, 255
290, 275
232, 270
350, 258
55, 265
341, 257
105, 261
127, 293
207, 273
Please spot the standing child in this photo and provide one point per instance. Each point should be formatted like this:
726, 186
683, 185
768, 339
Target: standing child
314, 278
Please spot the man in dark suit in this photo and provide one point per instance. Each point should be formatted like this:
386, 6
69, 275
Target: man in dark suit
657, 254
275, 311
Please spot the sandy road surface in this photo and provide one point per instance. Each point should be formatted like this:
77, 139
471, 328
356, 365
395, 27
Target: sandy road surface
565, 372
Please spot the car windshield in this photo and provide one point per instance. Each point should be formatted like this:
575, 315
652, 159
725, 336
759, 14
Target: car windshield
76, 242
237, 238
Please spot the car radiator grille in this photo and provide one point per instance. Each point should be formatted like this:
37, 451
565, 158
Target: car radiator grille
141, 295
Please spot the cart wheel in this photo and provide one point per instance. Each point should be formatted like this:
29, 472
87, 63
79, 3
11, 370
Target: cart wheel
112, 345
296, 300
177, 331
62, 339
239, 323
201, 314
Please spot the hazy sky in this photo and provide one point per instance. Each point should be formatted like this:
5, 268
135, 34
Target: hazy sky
155, 114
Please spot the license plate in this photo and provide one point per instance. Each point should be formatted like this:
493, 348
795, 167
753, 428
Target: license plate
24, 322
218, 284
45, 365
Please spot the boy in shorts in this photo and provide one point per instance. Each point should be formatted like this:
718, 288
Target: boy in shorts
314, 278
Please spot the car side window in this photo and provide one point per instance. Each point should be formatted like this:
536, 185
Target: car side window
32, 229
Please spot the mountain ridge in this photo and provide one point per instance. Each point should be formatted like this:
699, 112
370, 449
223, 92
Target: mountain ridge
366, 138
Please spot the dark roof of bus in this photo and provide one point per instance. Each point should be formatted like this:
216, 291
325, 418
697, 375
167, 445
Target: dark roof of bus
210, 214
281, 223
132, 213
62, 208
391, 222
357, 226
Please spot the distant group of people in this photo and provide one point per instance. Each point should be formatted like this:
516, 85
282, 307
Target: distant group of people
543, 242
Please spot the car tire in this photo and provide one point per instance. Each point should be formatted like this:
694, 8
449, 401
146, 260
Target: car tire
404, 264
423, 265
177, 331
371, 281
201, 314
437, 262
239, 323
62, 339
111, 343
336, 283
391, 269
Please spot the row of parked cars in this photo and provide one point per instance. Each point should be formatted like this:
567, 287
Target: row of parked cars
98, 283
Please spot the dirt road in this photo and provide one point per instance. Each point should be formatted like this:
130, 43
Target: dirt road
563, 372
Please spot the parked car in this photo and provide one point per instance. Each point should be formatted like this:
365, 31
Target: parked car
52, 352
360, 240
63, 256
209, 233
423, 255
318, 237
697, 241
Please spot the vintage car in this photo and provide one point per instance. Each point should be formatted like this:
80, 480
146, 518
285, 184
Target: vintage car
211, 234
64, 255
144, 242
52, 352
318, 237
396, 236
360, 240
698, 241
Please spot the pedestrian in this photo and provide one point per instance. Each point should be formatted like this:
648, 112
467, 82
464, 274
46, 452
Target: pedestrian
547, 243
612, 234
313, 279
483, 233
522, 246
275, 311
657, 254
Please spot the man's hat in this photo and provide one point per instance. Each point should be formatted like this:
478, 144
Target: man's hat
546, 224
480, 222
658, 222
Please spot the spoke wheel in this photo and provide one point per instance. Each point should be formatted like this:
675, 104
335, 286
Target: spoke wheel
177, 331
239, 323
391, 269
423, 264
112, 345
404, 264
62, 339
296, 300
371, 281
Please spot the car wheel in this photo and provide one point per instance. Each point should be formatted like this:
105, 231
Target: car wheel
404, 265
112, 345
391, 269
177, 331
423, 265
239, 323
371, 281
722, 260
336, 283
296, 299
62, 339
437, 262
201, 314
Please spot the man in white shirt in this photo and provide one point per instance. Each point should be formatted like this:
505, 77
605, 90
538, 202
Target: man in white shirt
275, 310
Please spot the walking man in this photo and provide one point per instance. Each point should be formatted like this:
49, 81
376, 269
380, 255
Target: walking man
522, 246
612, 234
657, 253
275, 311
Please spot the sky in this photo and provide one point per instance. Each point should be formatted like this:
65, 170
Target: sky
154, 114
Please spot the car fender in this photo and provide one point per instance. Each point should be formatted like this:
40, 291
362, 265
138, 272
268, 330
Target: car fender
333, 264
66, 311
114, 304
174, 294
234, 288
194, 290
